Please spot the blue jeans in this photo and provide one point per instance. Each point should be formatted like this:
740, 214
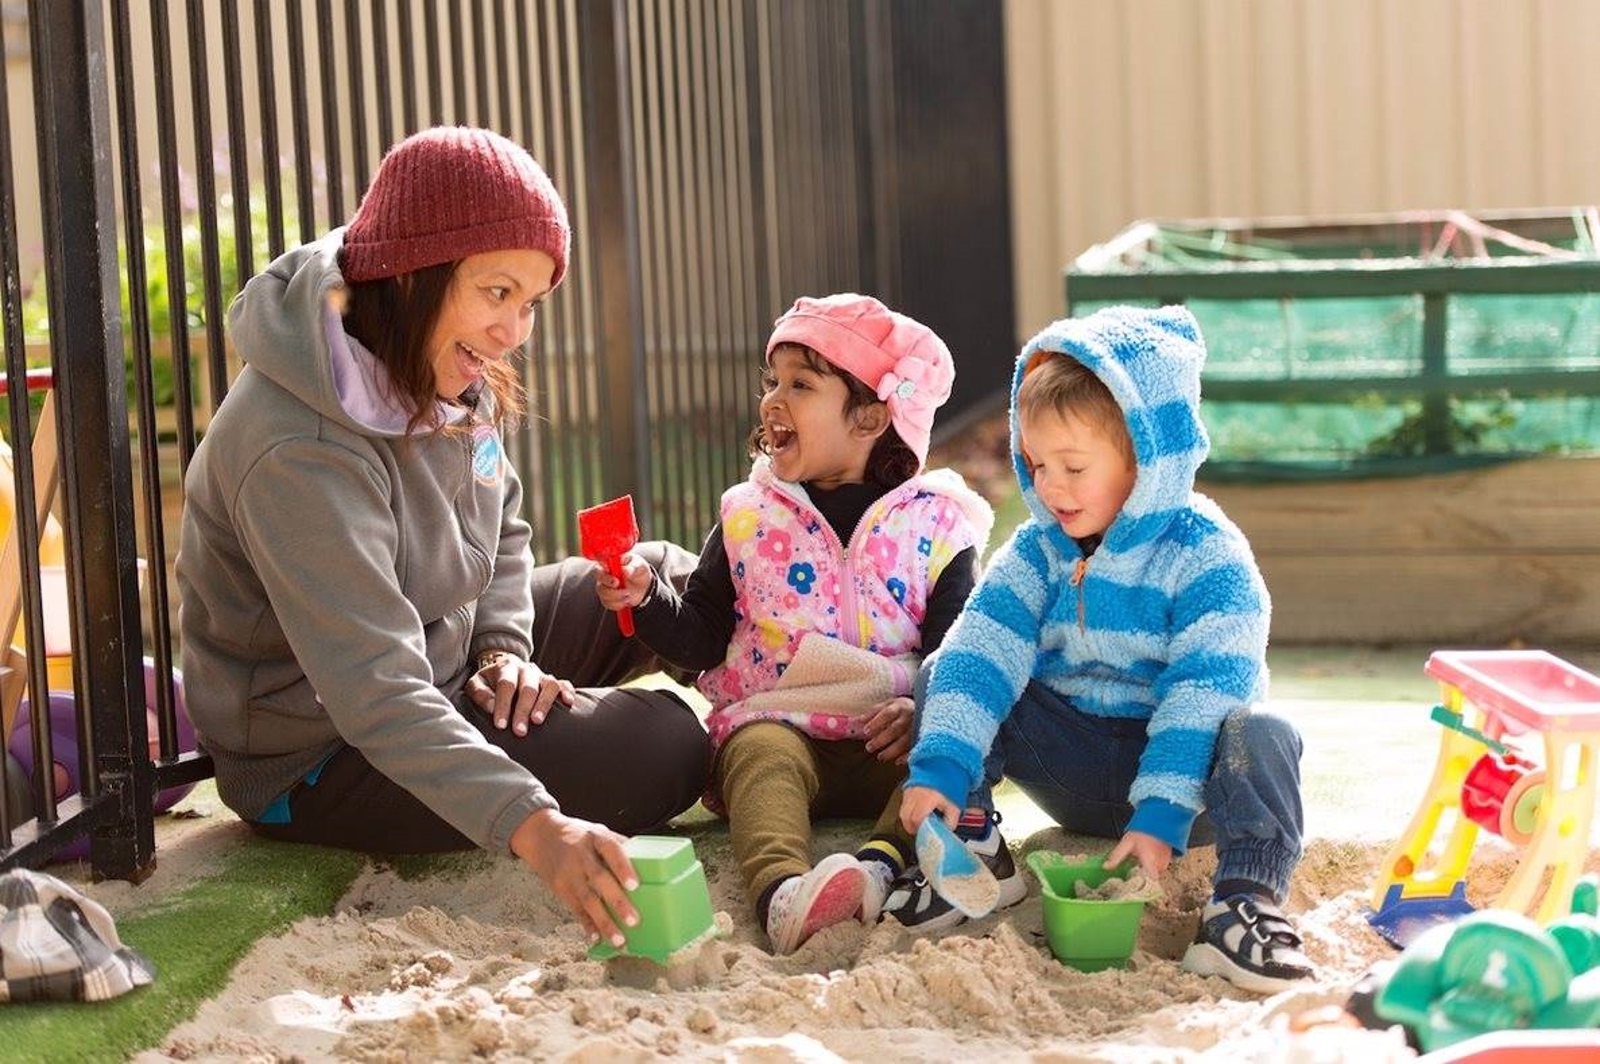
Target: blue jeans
1078, 768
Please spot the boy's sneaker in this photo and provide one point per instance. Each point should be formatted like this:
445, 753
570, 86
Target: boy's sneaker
1249, 942
803, 905
913, 901
876, 877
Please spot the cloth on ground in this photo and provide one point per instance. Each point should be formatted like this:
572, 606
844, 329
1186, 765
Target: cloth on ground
58, 945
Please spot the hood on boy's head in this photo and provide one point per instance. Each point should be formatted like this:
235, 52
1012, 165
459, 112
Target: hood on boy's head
1150, 360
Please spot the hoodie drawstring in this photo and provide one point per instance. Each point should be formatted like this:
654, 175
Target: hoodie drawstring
1078, 569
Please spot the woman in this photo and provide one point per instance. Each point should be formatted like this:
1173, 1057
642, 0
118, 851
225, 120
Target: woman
370, 656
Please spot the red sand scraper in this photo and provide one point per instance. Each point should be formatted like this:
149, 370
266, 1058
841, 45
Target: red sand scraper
605, 533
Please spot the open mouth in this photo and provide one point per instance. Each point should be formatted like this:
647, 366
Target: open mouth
780, 437
473, 361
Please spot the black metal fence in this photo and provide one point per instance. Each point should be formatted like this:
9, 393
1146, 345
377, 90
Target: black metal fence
719, 158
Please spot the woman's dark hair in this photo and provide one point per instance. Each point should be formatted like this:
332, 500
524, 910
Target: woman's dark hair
890, 464
394, 317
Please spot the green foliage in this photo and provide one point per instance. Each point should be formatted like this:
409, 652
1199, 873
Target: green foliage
157, 292
1465, 431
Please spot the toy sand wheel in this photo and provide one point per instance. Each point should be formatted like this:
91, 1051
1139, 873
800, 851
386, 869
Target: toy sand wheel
1503, 792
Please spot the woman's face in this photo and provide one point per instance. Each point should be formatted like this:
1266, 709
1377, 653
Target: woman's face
487, 314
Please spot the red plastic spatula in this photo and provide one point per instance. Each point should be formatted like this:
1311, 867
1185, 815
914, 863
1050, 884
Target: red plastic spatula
605, 533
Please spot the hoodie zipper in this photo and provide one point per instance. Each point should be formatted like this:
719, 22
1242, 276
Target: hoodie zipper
1080, 567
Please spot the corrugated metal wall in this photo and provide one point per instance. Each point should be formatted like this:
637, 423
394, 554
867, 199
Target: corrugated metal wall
1182, 108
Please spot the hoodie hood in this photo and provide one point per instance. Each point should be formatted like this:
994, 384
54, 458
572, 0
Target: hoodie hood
288, 324
1150, 360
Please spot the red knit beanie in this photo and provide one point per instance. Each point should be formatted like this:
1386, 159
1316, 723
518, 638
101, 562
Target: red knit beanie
449, 192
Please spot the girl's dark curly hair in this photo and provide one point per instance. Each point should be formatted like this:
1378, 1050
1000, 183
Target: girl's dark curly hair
891, 462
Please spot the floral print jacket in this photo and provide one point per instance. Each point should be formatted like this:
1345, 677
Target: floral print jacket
792, 576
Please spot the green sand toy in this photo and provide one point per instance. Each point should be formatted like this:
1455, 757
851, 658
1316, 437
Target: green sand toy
1497, 970
673, 900
1087, 934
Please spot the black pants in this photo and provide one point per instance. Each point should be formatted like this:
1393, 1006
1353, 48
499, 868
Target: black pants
625, 757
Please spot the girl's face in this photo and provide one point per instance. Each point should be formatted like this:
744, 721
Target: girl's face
487, 314
1078, 470
809, 435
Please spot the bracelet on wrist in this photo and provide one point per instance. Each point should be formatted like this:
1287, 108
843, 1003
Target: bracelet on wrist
487, 658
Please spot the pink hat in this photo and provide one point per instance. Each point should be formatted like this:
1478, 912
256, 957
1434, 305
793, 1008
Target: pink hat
898, 357
449, 192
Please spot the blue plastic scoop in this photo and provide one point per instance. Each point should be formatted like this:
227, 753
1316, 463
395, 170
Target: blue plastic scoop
955, 871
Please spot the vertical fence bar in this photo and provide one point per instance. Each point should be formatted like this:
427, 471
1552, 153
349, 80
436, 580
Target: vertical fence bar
330, 112
432, 43
458, 62
607, 142
86, 347
408, 70
172, 228
20, 426
503, 69
267, 90
380, 74
300, 119
139, 335
480, 68
355, 63
206, 186
238, 159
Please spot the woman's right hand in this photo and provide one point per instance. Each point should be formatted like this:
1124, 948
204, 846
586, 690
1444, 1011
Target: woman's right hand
585, 865
630, 591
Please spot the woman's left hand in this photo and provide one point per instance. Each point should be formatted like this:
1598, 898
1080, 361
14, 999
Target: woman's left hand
517, 693
888, 729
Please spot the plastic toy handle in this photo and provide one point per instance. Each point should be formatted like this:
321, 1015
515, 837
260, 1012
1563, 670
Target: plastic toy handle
624, 615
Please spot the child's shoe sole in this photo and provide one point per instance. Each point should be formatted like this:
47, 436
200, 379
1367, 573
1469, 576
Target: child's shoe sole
828, 894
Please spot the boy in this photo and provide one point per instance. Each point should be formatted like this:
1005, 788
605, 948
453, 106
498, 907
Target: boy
1108, 660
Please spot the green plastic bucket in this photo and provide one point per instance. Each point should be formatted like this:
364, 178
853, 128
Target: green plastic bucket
1087, 934
673, 900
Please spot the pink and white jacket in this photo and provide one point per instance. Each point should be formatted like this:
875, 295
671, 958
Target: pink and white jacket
793, 577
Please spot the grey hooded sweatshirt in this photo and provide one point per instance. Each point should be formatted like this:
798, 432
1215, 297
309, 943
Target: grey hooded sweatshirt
337, 578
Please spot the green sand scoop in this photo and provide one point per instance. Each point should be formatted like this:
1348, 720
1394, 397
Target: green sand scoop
1087, 934
673, 900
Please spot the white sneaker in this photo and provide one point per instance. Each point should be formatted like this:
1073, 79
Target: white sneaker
1250, 943
877, 877
803, 905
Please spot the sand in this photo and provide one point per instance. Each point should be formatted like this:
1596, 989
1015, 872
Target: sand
484, 963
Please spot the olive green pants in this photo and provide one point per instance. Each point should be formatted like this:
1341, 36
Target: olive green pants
774, 781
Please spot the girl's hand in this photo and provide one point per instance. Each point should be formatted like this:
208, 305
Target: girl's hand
585, 865
631, 590
919, 802
1152, 854
517, 692
889, 729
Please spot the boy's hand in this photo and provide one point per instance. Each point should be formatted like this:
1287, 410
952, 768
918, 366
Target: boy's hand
586, 867
888, 729
1152, 854
637, 578
921, 801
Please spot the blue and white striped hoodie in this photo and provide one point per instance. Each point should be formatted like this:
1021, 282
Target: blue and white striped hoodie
1166, 621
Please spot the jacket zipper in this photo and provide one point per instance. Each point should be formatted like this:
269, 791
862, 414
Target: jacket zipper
1078, 569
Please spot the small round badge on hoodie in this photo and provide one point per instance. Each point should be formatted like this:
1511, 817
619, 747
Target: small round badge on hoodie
487, 454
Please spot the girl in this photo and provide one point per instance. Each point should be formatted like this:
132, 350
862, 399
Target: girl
833, 569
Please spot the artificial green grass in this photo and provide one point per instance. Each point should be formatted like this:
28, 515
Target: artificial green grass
194, 938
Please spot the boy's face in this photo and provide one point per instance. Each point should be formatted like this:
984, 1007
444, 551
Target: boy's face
1078, 470
810, 436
